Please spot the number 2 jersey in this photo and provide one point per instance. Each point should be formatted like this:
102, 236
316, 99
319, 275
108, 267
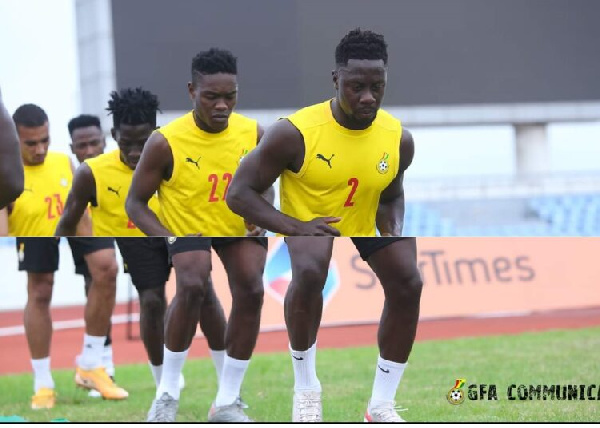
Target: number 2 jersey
37, 211
344, 171
193, 199
113, 180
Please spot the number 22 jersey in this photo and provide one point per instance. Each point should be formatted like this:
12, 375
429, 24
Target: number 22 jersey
193, 199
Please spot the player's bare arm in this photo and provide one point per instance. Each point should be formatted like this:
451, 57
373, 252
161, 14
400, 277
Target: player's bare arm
282, 147
84, 226
269, 195
390, 212
11, 166
155, 165
83, 191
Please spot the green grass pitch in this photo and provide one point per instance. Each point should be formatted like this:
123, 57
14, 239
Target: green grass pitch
558, 357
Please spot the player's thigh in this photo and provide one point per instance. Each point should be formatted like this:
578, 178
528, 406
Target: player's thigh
243, 258
191, 259
310, 257
393, 259
93, 255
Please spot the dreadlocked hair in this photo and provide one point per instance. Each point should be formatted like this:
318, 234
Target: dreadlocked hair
133, 107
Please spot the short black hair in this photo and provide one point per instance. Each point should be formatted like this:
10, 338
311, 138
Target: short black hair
214, 61
361, 44
30, 116
83, 121
133, 107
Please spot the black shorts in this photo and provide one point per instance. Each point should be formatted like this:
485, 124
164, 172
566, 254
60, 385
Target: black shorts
80, 247
41, 255
192, 243
366, 246
146, 260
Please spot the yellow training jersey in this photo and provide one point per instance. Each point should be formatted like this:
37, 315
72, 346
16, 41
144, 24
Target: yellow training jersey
193, 199
344, 171
113, 179
37, 211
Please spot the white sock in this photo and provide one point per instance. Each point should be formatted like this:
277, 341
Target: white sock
305, 369
231, 380
156, 373
107, 360
172, 366
42, 376
91, 355
387, 379
218, 358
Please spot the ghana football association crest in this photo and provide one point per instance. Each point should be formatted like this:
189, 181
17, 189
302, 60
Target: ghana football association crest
382, 164
456, 395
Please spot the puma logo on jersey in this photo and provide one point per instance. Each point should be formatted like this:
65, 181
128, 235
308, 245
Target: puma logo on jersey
324, 159
115, 191
195, 162
25, 189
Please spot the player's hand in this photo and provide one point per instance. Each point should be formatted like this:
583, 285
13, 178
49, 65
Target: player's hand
254, 230
319, 226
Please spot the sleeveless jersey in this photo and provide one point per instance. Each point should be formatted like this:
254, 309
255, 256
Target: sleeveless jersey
37, 211
113, 179
193, 199
344, 171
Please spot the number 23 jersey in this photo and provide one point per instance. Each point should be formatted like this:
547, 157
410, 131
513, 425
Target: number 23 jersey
37, 211
344, 171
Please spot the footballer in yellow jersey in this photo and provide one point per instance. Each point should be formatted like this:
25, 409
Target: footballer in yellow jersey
103, 181
341, 165
48, 177
190, 162
50, 173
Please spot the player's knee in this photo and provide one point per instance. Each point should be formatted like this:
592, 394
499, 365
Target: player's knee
250, 295
41, 292
406, 289
104, 270
191, 286
152, 303
311, 275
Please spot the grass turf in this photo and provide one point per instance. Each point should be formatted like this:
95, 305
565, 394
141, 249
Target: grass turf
558, 357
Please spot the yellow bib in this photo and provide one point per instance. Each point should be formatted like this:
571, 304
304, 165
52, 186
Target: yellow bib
37, 211
113, 179
344, 171
193, 200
